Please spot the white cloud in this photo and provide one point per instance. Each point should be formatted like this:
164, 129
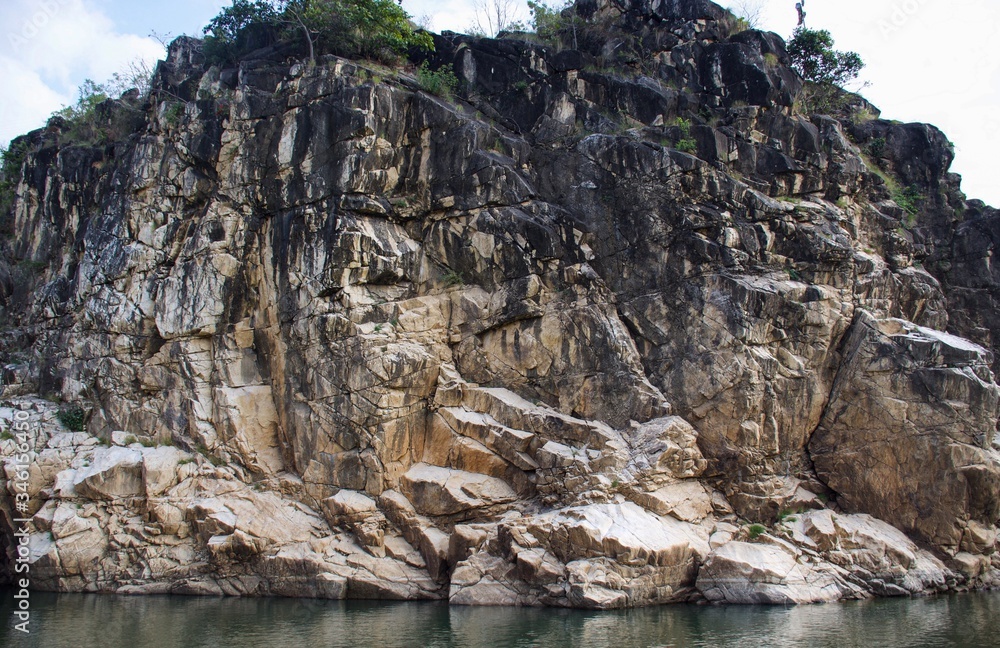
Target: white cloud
49, 48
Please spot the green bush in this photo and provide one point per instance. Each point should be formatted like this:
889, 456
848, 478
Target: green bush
441, 82
876, 147
687, 145
683, 124
755, 531
546, 20
174, 113
95, 120
822, 98
454, 278
72, 417
909, 199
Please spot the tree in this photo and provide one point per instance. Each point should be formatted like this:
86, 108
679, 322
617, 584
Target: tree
548, 21
495, 16
814, 58
366, 28
229, 34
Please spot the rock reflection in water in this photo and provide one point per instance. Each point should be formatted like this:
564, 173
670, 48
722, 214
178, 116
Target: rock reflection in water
166, 622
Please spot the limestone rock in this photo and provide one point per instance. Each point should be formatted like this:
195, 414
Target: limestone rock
908, 433
442, 491
746, 573
114, 473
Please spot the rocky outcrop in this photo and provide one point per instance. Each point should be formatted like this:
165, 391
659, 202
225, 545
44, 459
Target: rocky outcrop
616, 325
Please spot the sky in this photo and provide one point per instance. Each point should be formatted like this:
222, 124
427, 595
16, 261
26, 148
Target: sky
933, 61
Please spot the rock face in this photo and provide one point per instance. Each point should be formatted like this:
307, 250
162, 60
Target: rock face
561, 340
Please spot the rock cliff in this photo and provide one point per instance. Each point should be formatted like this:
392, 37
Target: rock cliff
619, 324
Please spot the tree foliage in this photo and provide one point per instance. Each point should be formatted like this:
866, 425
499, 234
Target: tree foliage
377, 29
813, 57
547, 20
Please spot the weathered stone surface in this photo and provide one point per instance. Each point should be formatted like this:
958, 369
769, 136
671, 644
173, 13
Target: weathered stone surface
598, 556
874, 551
114, 473
908, 434
556, 340
745, 573
442, 491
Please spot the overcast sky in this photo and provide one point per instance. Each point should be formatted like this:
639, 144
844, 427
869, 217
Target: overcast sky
927, 60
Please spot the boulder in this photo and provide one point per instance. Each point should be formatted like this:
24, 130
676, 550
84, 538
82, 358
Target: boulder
907, 436
114, 473
443, 491
776, 574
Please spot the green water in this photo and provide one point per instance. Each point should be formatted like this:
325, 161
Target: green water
82, 621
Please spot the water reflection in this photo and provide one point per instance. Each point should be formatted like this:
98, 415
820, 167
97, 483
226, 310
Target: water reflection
72, 621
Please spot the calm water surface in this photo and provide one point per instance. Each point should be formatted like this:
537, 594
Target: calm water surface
78, 621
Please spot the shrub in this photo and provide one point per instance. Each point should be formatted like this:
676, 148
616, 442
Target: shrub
72, 417
876, 147
109, 111
174, 113
547, 20
454, 278
756, 530
822, 98
683, 124
441, 82
687, 145
862, 115
909, 199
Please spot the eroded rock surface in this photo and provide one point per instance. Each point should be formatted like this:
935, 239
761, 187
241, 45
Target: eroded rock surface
562, 339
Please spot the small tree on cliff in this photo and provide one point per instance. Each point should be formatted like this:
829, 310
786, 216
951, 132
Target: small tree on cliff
814, 58
824, 69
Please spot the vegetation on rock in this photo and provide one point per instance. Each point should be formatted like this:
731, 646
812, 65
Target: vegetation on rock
376, 29
814, 58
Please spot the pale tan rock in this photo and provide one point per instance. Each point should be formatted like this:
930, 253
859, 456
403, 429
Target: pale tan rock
79, 542
159, 469
115, 472
249, 424
688, 501
441, 491
746, 573
887, 449
873, 551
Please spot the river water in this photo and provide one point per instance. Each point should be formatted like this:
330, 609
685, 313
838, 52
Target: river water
83, 621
